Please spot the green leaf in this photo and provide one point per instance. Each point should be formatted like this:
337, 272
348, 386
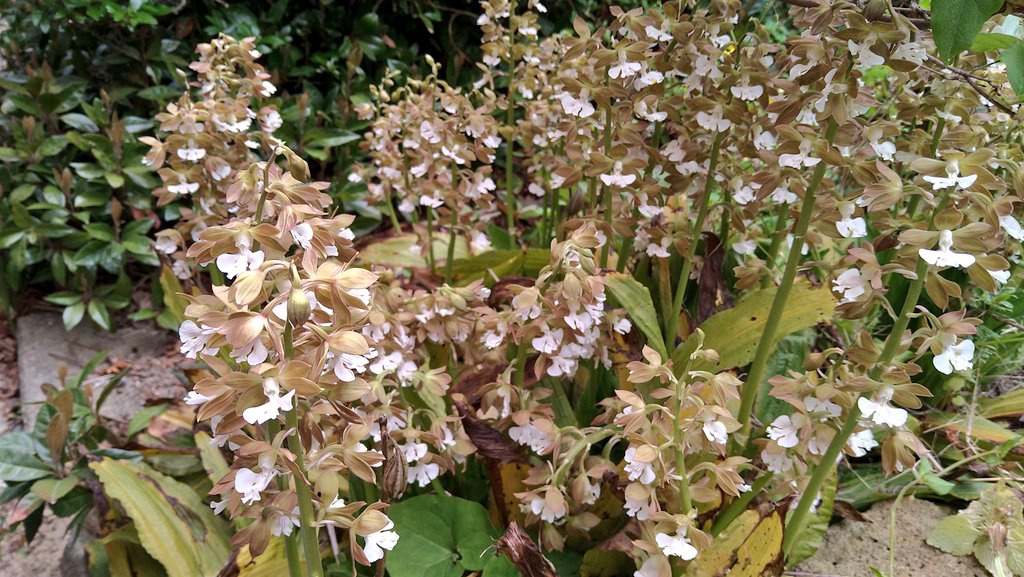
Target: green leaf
73, 315
735, 333
440, 537
954, 535
991, 41
636, 299
17, 466
99, 314
52, 490
174, 524
1013, 58
64, 298
955, 23
141, 419
80, 122
174, 302
213, 460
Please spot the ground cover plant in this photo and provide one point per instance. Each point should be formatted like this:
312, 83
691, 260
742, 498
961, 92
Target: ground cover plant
652, 296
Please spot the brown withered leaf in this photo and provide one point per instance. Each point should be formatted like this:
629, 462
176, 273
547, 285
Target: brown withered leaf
490, 442
501, 292
846, 510
517, 546
395, 471
712, 290
470, 384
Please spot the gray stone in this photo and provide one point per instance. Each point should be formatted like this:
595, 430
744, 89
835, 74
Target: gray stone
851, 548
43, 346
53, 553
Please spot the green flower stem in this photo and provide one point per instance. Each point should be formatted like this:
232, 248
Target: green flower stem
777, 236
519, 375
291, 542
510, 197
393, 215
307, 530
677, 442
738, 506
684, 277
767, 341
892, 345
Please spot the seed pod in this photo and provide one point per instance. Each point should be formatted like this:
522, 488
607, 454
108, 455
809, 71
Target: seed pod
298, 307
874, 10
395, 471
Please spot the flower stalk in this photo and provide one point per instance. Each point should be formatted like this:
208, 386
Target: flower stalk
767, 342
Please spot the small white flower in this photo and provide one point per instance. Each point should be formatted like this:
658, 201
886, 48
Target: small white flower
910, 52
250, 484
785, 429
194, 338
952, 177
660, 250
581, 107
638, 509
303, 235
714, 120
865, 57
549, 341
945, 256
1012, 226
183, 186
880, 411
272, 121
715, 432
1000, 276
532, 436
658, 34
954, 357
423, 473
748, 92
377, 542
234, 264
745, 247
776, 459
624, 68
651, 567
851, 283
542, 508
848, 226
862, 442
267, 89
283, 524
194, 398
639, 470
617, 178
273, 407
823, 409
191, 153
676, 546
801, 159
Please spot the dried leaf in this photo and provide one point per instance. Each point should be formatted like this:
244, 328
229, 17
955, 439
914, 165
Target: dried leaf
490, 442
517, 546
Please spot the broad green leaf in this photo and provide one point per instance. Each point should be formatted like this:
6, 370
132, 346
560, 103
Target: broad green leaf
955, 23
174, 301
735, 333
18, 466
601, 563
814, 531
502, 263
1013, 58
52, 490
141, 419
991, 41
979, 427
440, 537
80, 122
954, 535
174, 524
636, 299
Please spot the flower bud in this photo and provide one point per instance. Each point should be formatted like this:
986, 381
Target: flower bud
298, 307
874, 10
297, 166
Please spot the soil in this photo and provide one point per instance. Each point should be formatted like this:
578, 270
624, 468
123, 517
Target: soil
852, 548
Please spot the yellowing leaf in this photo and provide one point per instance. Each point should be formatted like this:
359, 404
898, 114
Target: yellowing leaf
979, 427
174, 302
750, 547
735, 333
173, 523
400, 251
1007, 405
213, 461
